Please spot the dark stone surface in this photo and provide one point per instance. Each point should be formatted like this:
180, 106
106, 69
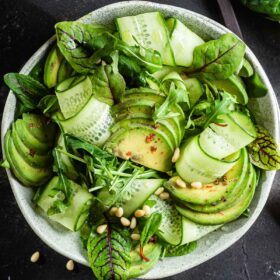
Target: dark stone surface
24, 26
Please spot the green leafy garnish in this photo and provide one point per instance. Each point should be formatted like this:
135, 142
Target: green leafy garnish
263, 151
4, 164
217, 59
255, 86
151, 226
27, 90
48, 105
109, 253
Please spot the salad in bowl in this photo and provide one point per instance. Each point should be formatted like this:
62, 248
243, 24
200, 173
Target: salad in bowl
138, 136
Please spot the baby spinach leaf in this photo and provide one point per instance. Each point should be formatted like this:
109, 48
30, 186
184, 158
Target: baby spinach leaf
181, 250
109, 253
26, 89
151, 226
48, 104
263, 151
217, 59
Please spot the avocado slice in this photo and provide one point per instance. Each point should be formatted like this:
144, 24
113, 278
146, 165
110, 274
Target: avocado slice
246, 69
235, 86
30, 155
138, 122
40, 127
27, 174
226, 201
226, 215
52, 66
138, 266
143, 145
215, 191
255, 86
29, 140
65, 71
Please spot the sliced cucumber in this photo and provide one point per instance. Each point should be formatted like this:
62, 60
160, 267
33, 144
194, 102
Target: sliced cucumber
195, 165
170, 229
183, 42
215, 145
193, 231
65, 71
195, 90
75, 215
149, 31
232, 130
73, 94
139, 191
92, 123
246, 69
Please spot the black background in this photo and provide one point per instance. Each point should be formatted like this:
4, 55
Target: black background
24, 26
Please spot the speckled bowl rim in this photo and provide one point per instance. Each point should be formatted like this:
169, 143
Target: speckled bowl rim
162, 270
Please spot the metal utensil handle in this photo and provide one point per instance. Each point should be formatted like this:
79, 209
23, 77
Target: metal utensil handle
230, 17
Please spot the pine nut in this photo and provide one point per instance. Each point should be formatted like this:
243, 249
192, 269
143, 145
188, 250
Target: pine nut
135, 236
70, 265
100, 229
159, 191
35, 257
119, 212
147, 210
125, 222
164, 195
176, 155
133, 223
197, 185
113, 211
180, 183
139, 213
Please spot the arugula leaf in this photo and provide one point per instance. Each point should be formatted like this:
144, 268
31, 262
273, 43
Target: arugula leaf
26, 89
263, 151
220, 107
207, 111
217, 59
181, 250
109, 253
48, 105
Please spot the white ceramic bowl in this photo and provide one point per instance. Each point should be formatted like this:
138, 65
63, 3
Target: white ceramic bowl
265, 110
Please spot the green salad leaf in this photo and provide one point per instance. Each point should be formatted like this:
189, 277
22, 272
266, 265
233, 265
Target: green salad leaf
255, 86
26, 89
270, 8
263, 151
109, 253
180, 250
206, 111
48, 105
151, 226
217, 59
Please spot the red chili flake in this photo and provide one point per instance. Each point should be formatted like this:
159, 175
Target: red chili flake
208, 187
157, 125
224, 178
224, 183
150, 137
221, 124
129, 153
153, 149
32, 152
216, 182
